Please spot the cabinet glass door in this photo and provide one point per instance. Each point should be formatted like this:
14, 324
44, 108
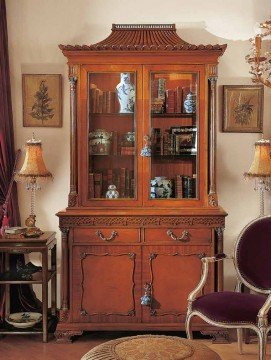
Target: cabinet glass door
112, 136
173, 130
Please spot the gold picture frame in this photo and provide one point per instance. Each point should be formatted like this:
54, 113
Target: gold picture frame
243, 108
42, 100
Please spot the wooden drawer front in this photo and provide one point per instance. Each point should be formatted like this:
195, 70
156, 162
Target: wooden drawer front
106, 235
178, 235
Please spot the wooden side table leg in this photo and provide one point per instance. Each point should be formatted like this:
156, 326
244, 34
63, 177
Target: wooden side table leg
44, 295
7, 288
53, 281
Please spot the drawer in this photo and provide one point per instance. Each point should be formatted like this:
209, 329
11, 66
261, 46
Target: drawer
106, 235
178, 235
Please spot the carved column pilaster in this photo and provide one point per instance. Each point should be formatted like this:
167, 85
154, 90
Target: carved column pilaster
64, 312
219, 235
212, 196
73, 195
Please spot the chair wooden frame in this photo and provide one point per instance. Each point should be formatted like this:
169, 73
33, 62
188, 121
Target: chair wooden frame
261, 328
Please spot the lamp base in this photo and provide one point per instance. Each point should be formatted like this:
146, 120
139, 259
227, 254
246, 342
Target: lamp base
32, 231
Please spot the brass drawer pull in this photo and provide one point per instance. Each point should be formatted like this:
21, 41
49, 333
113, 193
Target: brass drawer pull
184, 237
110, 238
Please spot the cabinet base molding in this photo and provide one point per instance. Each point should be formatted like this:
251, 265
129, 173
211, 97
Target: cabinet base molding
65, 336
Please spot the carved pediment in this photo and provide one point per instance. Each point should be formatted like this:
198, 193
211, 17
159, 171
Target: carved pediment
143, 37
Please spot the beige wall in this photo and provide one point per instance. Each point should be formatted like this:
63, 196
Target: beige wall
35, 29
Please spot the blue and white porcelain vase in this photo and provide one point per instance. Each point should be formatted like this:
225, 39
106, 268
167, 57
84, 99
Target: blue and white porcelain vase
161, 187
112, 192
126, 94
189, 103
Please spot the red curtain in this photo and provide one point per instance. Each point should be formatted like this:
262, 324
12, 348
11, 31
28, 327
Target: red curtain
22, 296
7, 153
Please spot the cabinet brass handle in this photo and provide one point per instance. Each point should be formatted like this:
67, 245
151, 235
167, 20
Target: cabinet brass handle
110, 238
184, 237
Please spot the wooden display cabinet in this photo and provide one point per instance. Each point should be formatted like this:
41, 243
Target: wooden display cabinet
148, 237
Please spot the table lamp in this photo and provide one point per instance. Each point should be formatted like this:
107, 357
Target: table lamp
32, 171
260, 170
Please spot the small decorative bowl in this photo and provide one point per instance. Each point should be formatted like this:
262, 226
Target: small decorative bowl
23, 320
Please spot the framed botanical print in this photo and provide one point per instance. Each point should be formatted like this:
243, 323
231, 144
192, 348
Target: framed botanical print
243, 108
42, 100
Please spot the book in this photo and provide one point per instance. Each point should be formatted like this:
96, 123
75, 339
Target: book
154, 89
15, 230
92, 98
116, 178
91, 185
115, 143
104, 102
122, 182
179, 187
110, 177
188, 186
110, 102
179, 99
97, 185
170, 101
127, 183
168, 143
100, 102
156, 140
132, 188
104, 183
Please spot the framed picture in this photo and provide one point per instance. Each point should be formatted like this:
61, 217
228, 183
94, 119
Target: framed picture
42, 100
243, 108
185, 139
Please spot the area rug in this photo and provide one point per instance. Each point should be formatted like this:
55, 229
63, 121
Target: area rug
151, 347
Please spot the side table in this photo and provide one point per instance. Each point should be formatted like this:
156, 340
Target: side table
44, 244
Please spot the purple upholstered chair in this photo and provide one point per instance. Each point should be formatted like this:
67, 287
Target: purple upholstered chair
252, 260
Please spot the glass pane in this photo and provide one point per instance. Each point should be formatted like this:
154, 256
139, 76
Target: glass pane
112, 135
174, 135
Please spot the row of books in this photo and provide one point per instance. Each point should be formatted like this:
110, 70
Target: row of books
185, 186
168, 101
122, 178
174, 141
102, 102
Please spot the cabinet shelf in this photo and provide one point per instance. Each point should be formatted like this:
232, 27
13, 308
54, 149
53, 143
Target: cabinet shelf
37, 279
173, 115
175, 156
112, 114
7, 329
112, 156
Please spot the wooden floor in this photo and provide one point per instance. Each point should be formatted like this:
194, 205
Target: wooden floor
19, 347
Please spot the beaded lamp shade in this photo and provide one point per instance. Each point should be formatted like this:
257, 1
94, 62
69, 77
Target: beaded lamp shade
260, 170
33, 166
261, 165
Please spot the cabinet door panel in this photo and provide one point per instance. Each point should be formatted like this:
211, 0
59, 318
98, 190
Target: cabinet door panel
172, 272
174, 121
105, 283
109, 168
